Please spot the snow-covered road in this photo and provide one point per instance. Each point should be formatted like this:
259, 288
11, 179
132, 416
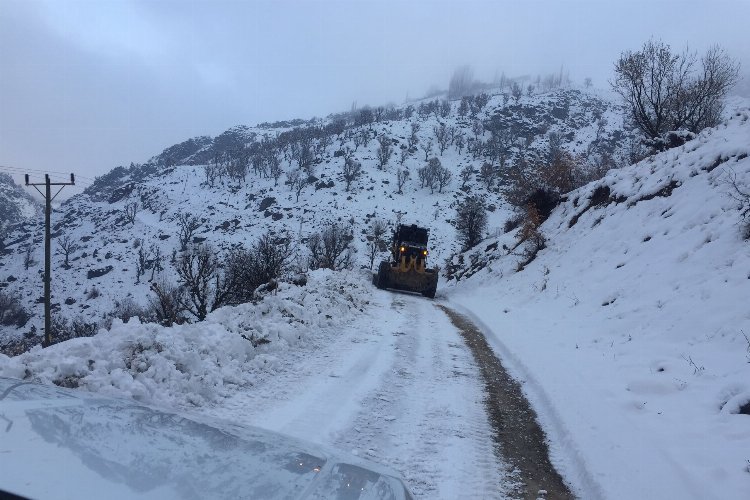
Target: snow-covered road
397, 386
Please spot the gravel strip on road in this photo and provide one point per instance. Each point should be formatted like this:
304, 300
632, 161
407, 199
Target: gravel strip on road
516, 431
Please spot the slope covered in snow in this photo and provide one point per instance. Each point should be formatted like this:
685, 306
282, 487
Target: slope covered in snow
106, 246
631, 329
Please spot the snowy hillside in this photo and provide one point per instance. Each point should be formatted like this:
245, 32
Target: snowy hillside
15, 204
106, 245
631, 329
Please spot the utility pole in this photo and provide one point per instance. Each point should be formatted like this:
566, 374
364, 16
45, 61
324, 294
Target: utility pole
47, 195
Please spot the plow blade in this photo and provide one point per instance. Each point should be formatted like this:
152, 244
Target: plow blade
410, 280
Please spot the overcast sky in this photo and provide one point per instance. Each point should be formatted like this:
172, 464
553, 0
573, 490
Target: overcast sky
87, 85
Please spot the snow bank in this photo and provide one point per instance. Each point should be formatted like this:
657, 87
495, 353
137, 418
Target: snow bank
630, 330
195, 364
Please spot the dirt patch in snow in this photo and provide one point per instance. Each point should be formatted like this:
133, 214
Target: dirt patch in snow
516, 430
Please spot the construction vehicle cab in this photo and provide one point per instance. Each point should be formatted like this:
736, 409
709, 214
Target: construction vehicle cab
407, 270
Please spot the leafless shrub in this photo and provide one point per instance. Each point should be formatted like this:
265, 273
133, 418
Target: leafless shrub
297, 180
471, 221
167, 305
375, 238
402, 175
385, 151
66, 246
530, 236
187, 225
442, 136
351, 170
28, 257
741, 194
206, 288
248, 269
130, 211
331, 248
12, 312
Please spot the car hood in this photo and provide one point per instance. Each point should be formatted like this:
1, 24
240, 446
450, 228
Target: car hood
60, 443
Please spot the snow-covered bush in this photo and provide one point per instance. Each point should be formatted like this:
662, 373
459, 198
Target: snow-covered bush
12, 313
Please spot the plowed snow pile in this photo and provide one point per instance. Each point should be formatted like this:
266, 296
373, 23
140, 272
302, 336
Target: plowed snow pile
631, 329
192, 364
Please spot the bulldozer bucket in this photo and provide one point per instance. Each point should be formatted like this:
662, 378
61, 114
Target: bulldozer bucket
409, 278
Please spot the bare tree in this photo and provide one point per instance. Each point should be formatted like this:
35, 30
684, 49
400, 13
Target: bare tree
413, 139
211, 170
130, 211
442, 135
167, 307
141, 263
274, 167
460, 142
463, 108
66, 246
297, 180
376, 242
477, 129
385, 151
488, 174
426, 148
187, 225
434, 175
516, 91
351, 170
156, 261
402, 175
302, 152
365, 136
465, 175
28, 258
357, 140
237, 164
741, 194
199, 274
426, 176
665, 91
471, 221
404, 155
444, 109
443, 177
479, 102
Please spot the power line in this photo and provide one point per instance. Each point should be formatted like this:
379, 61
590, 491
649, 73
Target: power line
13, 171
35, 171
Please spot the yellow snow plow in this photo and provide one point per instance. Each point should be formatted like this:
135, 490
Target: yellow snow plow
408, 270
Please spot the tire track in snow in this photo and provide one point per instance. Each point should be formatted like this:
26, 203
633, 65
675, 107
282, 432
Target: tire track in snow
397, 386
426, 418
